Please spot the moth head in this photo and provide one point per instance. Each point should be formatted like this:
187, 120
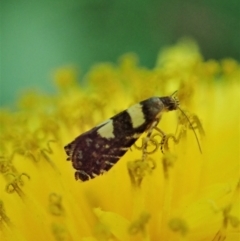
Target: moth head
170, 102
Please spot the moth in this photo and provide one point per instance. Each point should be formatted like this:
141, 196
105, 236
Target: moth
97, 150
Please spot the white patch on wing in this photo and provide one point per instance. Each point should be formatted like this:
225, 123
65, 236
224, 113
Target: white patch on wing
109, 163
106, 130
80, 155
137, 115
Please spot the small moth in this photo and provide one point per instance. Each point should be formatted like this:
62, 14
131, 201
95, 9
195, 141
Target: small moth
97, 150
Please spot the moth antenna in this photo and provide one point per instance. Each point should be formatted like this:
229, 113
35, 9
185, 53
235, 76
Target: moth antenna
174, 93
199, 146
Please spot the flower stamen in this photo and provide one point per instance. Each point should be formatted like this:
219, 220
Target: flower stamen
139, 226
138, 169
55, 204
3, 216
14, 185
178, 225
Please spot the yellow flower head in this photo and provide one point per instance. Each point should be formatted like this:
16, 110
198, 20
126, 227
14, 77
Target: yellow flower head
178, 193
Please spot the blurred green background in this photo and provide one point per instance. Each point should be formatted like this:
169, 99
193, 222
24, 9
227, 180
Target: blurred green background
38, 37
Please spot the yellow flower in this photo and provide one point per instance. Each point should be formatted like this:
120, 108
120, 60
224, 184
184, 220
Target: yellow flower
182, 194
